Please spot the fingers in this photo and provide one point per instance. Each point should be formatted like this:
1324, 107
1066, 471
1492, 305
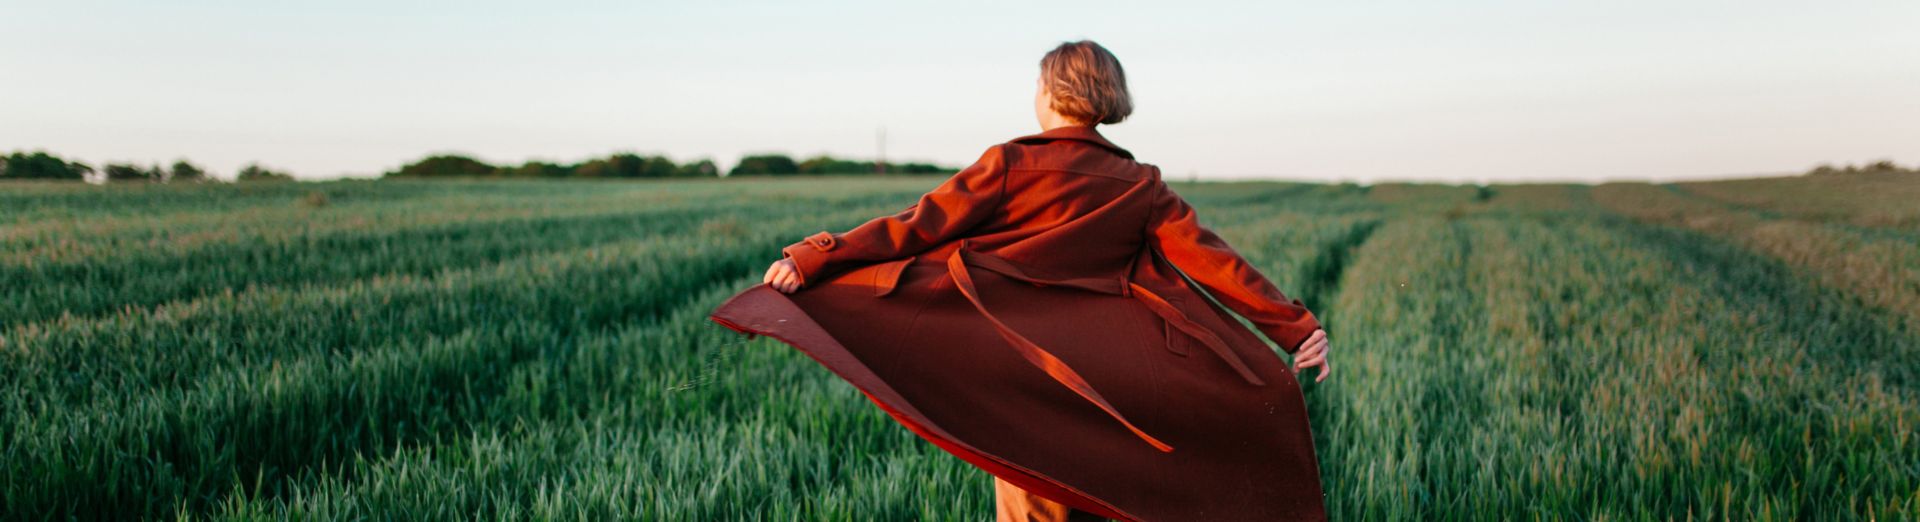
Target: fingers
1313, 353
1309, 361
1314, 345
1317, 338
1324, 370
782, 276
1307, 358
785, 281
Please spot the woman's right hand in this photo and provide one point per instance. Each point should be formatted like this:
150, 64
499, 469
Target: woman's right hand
783, 276
1313, 352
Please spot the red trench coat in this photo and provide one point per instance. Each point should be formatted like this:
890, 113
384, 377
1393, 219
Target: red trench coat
1027, 316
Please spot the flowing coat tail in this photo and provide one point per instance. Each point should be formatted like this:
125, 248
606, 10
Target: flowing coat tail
1041, 315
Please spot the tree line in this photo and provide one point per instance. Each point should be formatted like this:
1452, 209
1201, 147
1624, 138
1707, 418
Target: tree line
783, 165
628, 165
1877, 167
44, 166
622, 165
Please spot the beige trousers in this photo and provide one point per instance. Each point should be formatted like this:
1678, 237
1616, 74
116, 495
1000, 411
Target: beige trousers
1012, 504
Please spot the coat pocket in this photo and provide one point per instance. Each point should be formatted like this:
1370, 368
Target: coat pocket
886, 276
1177, 341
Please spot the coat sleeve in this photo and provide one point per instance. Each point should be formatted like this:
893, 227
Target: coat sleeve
954, 207
1174, 229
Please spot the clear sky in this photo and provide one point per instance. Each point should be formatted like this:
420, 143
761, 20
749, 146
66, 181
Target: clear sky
1363, 91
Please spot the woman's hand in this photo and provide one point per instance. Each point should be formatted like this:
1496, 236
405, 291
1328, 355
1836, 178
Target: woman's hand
1313, 352
783, 276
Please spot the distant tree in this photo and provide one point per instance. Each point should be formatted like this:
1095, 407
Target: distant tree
1882, 166
538, 169
40, 165
444, 165
130, 172
657, 167
183, 171
920, 168
621, 165
255, 172
824, 164
765, 165
702, 168
831, 165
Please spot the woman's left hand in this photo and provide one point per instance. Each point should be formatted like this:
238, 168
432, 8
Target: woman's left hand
1313, 352
783, 276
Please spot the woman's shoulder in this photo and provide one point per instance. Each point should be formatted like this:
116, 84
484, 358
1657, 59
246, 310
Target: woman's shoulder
1071, 156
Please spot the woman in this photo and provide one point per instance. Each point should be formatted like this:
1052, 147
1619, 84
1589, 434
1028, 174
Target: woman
1030, 316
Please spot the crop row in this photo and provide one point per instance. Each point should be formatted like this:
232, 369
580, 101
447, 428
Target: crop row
1596, 370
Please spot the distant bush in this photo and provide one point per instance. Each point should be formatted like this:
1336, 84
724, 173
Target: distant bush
444, 165
130, 172
920, 168
255, 172
765, 165
627, 165
40, 165
537, 169
184, 171
832, 165
698, 169
1877, 167
615, 166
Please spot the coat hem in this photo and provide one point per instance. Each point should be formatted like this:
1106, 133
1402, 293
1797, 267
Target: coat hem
801, 332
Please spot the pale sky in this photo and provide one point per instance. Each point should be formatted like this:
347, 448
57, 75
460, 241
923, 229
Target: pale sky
1473, 91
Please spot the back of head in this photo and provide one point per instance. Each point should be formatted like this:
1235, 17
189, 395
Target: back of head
1086, 82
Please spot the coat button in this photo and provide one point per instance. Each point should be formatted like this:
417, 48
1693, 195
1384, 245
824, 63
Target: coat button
822, 241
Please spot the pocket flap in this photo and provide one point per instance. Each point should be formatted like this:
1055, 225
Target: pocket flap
887, 275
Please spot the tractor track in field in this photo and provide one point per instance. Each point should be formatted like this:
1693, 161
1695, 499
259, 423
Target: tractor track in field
1322, 282
1797, 304
1879, 269
1451, 400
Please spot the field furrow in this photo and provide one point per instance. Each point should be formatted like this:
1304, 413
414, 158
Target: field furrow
1882, 272
1589, 369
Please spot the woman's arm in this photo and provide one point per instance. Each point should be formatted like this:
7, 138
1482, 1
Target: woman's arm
952, 208
1174, 229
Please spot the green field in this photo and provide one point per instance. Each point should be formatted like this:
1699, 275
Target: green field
1743, 350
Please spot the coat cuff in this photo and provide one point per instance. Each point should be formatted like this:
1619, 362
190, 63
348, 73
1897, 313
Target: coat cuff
810, 261
1292, 334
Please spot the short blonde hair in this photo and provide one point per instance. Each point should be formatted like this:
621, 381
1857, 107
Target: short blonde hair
1086, 82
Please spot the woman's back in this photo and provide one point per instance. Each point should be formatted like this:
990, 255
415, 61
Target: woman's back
1074, 204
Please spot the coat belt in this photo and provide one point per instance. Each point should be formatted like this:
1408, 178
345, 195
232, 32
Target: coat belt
957, 266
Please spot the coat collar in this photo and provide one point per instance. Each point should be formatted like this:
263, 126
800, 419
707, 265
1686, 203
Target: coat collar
1084, 133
